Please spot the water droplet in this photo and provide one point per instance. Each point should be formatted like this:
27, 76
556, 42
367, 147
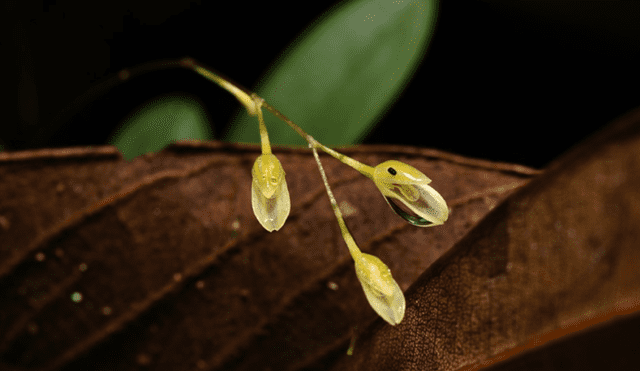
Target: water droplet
40, 256
177, 277
83, 267
76, 297
332, 285
106, 311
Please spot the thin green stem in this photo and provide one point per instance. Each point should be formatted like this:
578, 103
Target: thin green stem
264, 136
286, 120
243, 97
351, 243
253, 109
364, 169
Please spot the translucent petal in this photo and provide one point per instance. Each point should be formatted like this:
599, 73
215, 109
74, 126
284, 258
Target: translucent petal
399, 181
269, 193
382, 291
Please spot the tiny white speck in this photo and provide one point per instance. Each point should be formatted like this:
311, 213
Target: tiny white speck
347, 209
76, 297
235, 225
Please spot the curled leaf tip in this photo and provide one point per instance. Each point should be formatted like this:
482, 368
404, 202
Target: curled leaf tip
382, 291
269, 193
406, 184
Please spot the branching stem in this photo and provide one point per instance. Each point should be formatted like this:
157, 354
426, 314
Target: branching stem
253, 104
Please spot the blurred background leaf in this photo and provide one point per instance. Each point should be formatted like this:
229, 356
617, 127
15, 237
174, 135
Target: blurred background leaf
160, 122
343, 72
531, 72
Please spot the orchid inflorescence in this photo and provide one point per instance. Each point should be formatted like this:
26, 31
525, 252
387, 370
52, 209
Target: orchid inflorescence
397, 181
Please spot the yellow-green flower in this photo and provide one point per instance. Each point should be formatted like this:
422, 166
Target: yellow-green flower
382, 291
399, 181
269, 193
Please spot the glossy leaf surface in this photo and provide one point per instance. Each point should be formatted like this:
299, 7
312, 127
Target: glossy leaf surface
344, 71
160, 122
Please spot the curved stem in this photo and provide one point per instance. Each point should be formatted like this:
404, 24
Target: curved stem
243, 97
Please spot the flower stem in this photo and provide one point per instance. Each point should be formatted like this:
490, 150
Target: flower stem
264, 136
351, 243
253, 108
365, 170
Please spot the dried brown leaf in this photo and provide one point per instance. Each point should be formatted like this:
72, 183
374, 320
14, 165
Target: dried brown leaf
558, 257
160, 264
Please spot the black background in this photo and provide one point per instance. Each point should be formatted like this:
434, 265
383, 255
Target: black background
511, 81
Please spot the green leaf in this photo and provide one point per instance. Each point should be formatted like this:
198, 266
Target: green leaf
159, 122
344, 73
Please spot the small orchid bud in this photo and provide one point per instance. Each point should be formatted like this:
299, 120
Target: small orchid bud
399, 181
269, 193
382, 291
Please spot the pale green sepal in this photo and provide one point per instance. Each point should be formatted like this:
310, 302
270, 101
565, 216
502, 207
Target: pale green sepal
269, 193
382, 291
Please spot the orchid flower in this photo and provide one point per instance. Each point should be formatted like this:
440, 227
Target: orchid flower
382, 291
399, 181
269, 193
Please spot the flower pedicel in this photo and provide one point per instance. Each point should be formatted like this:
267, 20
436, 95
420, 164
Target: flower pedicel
397, 181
